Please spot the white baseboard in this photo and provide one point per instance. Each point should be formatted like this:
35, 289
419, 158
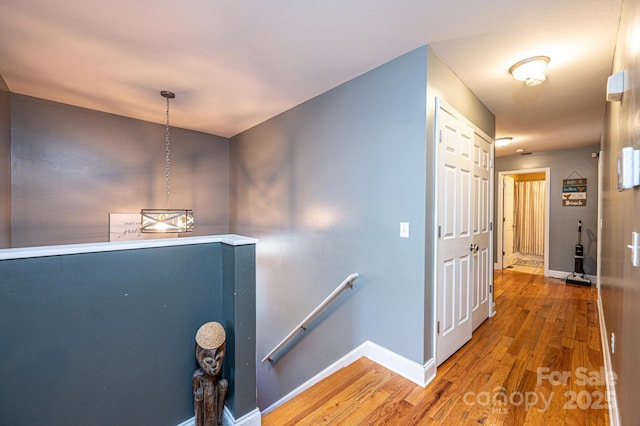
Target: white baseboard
421, 375
254, 418
190, 422
341, 363
612, 399
563, 274
496, 265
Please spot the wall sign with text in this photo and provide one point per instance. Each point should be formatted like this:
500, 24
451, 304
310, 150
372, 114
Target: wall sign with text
126, 226
574, 192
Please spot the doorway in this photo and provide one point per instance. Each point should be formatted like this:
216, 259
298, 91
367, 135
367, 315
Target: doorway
523, 205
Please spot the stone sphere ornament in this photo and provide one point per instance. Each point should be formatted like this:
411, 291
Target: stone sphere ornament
209, 390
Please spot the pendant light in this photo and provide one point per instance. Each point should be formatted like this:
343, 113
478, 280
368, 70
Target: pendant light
167, 220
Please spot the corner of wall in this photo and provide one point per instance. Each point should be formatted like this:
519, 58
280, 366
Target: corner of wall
443, 82
5, 165
421, 375
239, 312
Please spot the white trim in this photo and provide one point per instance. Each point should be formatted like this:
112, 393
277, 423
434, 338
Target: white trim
411, 370
434, 213
43, 251
500, 223
563, 274
342, 362
612, 399
496, 265
599, 225
547, 212
492, 228
421, 375
254, 418
190, 422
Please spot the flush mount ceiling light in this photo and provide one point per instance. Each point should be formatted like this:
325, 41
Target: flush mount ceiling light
167, 220
531, 70
500, 142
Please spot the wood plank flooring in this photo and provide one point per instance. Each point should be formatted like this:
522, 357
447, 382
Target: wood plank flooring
536, 362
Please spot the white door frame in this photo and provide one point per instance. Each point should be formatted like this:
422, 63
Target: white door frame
508, 183
599, 232
500, 212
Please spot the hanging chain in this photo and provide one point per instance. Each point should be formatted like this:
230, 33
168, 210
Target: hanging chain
167, 158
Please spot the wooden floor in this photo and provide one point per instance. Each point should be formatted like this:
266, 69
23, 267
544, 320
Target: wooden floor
536, 362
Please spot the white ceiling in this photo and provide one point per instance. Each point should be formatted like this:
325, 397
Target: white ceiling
236, 63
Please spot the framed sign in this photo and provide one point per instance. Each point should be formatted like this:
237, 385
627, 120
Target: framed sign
574, 192
126, 226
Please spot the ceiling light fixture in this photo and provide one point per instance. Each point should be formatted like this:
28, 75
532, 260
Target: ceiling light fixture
167, 220
500, 142
531, 70
523, 151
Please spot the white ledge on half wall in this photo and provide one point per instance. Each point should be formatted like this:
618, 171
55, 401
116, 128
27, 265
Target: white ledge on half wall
43, 251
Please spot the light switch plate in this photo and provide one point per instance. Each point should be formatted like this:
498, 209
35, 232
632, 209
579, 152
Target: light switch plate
626, 168
635, 249
404, 229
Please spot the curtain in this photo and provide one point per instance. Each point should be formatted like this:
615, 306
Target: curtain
529, 200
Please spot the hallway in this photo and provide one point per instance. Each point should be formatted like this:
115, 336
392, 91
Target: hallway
541, 354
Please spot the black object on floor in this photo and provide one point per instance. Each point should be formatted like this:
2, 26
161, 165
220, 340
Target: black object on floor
578, 276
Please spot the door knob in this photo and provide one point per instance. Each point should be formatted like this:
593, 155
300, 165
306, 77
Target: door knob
473, 248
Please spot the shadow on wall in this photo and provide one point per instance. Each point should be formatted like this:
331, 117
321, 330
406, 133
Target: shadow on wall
589, 248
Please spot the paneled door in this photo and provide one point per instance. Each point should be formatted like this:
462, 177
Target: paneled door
482, 263
455, 201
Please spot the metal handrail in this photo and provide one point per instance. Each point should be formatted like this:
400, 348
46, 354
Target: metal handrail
348, 282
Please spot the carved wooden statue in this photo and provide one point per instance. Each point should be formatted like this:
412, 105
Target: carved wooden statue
209, 391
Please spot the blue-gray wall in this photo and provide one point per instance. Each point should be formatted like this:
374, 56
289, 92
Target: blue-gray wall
108, 338
239, 321
73, 166
324, 186
620, 281
5, 165
563, 229
442, 82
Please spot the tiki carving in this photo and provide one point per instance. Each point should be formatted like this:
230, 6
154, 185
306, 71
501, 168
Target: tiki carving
209, 390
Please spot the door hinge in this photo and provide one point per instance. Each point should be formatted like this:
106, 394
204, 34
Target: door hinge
490, 226
438, 327
439, 231
440, 137
503, 253
491, 164
490, 288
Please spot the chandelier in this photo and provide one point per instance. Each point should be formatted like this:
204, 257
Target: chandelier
167, 220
